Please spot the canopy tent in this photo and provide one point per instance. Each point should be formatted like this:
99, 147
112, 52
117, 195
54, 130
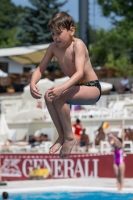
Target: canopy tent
26, 55
31, 58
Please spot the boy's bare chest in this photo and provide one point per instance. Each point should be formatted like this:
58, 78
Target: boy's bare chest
66, 60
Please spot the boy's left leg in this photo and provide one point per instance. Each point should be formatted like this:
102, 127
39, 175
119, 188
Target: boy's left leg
81, 95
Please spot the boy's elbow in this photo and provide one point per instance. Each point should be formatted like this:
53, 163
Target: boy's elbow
81, 74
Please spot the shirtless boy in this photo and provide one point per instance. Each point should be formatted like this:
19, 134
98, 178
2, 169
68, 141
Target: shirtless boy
82, 88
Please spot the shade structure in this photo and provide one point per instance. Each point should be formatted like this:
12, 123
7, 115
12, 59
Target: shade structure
32, 54
28, 115
43, 84
31, 58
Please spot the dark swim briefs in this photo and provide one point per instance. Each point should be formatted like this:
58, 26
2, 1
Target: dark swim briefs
91, 83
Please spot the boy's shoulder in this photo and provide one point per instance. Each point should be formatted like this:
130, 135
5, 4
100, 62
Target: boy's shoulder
52, 47
78, 42
52, 44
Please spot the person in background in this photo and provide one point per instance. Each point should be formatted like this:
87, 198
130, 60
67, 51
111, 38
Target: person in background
100, 136
84, 139
77, 128
44, 137
124, 85
5, 195
119, 163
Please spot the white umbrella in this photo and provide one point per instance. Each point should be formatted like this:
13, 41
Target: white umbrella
106, 86
60, 81
28, 115
3, 74
4, 131
43, 84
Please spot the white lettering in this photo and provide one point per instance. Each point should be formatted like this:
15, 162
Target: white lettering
79, 169
95, 161
24, 167
86, 166
68, 166
46, 165
58, 168
37, 163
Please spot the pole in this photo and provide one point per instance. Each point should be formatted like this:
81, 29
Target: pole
1, 182
83, 22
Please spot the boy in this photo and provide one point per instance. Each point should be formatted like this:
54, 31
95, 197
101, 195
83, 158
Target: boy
82, 88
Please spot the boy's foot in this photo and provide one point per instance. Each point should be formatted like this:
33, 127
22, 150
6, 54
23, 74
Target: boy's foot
67, 147
55, 147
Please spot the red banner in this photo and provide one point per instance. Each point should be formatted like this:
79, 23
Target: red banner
42, 166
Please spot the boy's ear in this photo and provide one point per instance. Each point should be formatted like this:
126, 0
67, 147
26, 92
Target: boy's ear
72, 30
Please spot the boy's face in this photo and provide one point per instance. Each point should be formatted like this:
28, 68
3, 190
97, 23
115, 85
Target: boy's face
63, 36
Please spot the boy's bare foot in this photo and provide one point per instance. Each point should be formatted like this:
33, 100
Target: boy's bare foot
55, 147
67, 147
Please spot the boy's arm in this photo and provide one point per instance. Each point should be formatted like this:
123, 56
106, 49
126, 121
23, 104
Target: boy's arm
37, 74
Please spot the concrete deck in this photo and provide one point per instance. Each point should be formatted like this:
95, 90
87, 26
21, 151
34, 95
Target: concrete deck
81, 184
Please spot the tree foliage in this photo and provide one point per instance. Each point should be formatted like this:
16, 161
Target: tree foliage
33, 23
113, 48
8, 22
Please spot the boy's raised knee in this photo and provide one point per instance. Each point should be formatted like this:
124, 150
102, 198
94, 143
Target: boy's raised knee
46, 97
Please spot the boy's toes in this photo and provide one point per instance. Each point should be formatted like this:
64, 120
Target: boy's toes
63, 155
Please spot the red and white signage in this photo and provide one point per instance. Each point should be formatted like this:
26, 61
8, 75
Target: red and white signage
19, 166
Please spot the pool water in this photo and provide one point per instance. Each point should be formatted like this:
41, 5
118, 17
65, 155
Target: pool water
72, 195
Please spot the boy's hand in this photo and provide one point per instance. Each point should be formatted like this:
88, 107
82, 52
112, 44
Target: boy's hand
34, 90
55, 92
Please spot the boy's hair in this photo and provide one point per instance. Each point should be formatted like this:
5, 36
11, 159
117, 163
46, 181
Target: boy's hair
5, 195
61, 20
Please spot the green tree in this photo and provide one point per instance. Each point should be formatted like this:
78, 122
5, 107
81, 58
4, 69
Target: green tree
113, 48
8, 22
117, 8
33, 23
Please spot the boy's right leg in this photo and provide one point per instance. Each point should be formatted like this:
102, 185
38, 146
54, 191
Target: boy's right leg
54, 115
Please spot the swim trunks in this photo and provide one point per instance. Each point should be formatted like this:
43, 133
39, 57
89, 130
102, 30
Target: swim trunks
91, 83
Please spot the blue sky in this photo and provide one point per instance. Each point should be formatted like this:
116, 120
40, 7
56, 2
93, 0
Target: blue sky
95, 15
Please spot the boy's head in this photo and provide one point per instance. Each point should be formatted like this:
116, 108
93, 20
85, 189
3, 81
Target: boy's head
60, 20
5, 195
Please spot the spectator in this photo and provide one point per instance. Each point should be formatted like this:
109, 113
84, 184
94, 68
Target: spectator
119, 163
5, 195
84, 139
78, 128
33, 141
131, 88
124, 85
100, 136
44, 137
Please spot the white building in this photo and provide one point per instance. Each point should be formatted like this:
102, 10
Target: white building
16, 60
